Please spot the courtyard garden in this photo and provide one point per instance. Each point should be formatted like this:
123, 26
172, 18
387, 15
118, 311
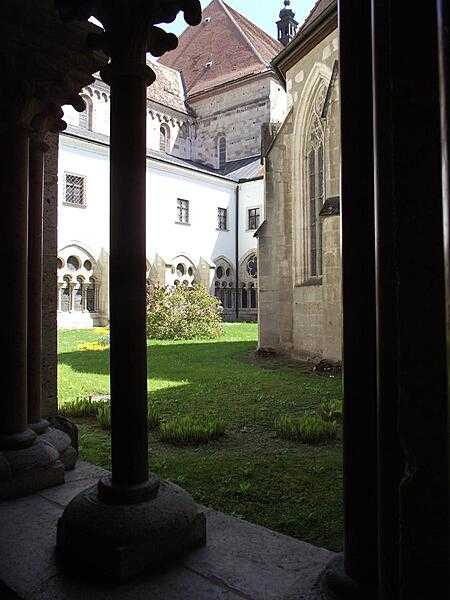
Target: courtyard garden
255, 466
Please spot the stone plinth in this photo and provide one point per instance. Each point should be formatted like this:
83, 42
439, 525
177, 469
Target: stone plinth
240, 560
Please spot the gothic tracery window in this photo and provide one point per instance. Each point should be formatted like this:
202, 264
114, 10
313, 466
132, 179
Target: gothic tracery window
315, 187
249, 282
85, 117
164, 138
224, 283
78, 290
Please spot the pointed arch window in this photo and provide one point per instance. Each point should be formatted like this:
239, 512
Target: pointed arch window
222, 151
164, 138
85, 118
315, 195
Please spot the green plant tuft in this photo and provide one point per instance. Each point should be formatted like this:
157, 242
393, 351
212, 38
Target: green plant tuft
331, 410
80, 407
308, 429
183, 313
153, 417
190, 431
104, 415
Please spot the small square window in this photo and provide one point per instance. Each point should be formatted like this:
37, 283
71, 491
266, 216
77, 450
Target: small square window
183, 211
254, 215
75, 190
222, 219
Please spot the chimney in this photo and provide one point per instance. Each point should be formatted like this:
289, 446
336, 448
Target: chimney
287, 25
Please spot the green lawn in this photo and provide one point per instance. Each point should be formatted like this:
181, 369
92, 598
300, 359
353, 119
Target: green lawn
292, 488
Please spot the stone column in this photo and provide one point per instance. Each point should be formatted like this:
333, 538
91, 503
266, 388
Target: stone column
357, 573
35, 212
14, 144
413, 376
131, 521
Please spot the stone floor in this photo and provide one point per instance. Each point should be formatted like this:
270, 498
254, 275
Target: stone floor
240, 560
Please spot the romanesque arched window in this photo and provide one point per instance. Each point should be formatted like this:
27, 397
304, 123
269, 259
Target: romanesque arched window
249, 282
315, 185
164, 138
78, 291
224, 283
183, 272
222, 151
85, 118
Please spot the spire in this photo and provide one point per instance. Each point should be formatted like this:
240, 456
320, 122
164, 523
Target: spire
287, 25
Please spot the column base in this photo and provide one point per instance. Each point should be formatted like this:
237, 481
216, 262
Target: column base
62, 442
17, 441
26, 471
119, 541
39, 427
335, 584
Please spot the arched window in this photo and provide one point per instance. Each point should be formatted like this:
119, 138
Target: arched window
164, 138
248, 275
78, 288
79, 294
91, 297
222, 151
85, 118
66, 295
182, 272
224, 283
314, 189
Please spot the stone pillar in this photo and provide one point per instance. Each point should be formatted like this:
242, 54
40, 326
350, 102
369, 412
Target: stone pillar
357, 573
35, 211
14, 144
131, 521
413, 376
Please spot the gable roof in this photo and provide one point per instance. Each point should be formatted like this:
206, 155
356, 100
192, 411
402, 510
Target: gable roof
224, 47
168, 88
316, 11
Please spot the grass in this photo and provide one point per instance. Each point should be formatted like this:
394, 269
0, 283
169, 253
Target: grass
191, 431
308, 429
293, 488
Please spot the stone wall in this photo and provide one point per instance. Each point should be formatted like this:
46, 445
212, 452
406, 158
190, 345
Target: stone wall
239, 112
49, 299
301, 315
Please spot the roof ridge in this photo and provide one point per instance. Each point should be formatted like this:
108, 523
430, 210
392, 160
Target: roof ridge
228, 10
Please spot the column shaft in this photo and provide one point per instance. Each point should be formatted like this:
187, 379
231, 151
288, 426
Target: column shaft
358, 281
14, 432
36, 182
413, 394
128, 362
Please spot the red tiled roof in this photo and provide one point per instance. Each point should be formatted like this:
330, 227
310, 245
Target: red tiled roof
226, 46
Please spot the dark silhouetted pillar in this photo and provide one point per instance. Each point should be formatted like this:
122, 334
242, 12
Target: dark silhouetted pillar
35, 211
413, 378
358, 573
14, 146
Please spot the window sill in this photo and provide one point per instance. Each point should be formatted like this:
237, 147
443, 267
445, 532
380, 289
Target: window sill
180, 223
311, 281
74, 205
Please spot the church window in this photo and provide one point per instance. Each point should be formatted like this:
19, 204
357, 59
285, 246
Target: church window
183, 211
222, 218
85, 117
66, 293
78, 298
222, 150
244, 296
75, 190
315, 178
60, 263
88, 265
183, 272
252, 266
254, 215
224, 284
164, 138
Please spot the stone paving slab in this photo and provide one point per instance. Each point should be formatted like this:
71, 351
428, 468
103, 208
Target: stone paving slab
241, 561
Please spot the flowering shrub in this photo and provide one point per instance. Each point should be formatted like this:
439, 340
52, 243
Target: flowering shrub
183, 313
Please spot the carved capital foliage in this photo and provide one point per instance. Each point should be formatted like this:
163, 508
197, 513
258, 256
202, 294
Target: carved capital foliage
44, 63
131, 27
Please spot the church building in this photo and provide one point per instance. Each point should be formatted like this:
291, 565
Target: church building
300, 308
214, 98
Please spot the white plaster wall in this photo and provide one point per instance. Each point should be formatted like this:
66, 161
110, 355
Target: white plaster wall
251, 195
165, 184
278, 102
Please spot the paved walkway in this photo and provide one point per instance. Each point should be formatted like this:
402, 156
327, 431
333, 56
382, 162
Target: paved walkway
240, 560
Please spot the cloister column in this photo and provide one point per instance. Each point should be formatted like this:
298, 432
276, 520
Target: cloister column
356, 574
35, 231
412, 327
131, 521
14, 144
